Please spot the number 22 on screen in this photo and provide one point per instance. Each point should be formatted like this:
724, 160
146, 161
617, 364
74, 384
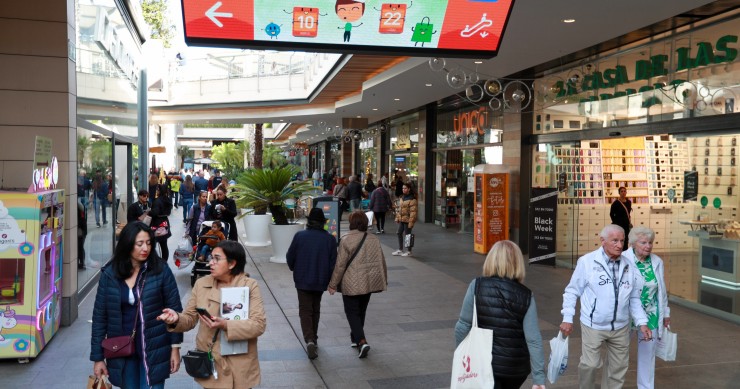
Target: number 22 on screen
392, 18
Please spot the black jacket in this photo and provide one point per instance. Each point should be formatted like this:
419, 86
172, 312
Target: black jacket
312, 256
354, 190
161, 208
226, 215
135, 211
160, 291
502, 304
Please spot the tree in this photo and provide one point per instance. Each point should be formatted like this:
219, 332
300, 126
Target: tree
257, 146
273, 158
230, 157
184, 152
155, 15
83, 145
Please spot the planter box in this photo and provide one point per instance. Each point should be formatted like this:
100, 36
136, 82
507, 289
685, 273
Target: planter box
282, 236
256, 229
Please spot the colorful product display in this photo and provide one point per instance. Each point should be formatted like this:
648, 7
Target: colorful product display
31, 236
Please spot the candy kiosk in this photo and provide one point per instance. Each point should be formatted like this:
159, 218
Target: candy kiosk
31, 237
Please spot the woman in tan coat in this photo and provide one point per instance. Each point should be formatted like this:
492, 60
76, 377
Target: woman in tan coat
406, 218
360, 271
227, 271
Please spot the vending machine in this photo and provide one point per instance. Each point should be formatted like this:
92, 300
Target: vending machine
31, 239
492, 202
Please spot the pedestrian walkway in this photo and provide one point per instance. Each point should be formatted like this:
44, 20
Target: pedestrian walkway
410, 328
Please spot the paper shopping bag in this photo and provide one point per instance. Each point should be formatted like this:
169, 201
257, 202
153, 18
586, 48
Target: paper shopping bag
471, 365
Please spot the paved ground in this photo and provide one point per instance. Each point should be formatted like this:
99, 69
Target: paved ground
410, 329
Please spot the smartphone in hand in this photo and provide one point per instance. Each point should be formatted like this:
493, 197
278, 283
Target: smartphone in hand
204, 313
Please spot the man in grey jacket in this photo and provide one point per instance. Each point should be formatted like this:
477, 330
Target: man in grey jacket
609, 286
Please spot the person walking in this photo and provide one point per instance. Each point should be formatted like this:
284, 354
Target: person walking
316, 177
199, 213
406, 218
100, 197
153, 184
654, 298
227, 265
138, 210
340, 191
360, 271
160, 221
354, 193
224, 209
187, 192
380, 203
132, 291
621, 214
507, 307
175, 184
608, 285
369, 185
200, 182
311, 257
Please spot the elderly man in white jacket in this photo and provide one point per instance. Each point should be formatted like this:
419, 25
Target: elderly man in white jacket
609, 286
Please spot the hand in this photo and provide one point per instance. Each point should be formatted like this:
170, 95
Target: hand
566, 328
100, 369
647, 335
666, 321
169, 316
331, 291
214, 322
175, 360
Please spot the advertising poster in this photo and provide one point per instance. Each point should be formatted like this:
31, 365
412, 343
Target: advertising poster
418, 26
491, 210
690, 185
542, 225
331, 213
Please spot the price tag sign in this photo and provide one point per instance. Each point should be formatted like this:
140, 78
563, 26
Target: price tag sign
305, 22
392, 18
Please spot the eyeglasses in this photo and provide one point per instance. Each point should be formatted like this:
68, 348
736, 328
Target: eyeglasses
217, 258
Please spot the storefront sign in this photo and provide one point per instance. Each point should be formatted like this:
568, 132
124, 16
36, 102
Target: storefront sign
645, 69
543, 226
491, 210
465, 28
690, 185
474, 121
125, 58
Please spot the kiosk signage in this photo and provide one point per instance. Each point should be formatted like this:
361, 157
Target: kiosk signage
543, 225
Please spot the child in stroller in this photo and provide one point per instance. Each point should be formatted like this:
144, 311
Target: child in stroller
208, 241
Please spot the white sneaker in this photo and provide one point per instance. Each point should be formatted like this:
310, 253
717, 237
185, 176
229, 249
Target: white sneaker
397, 252
406, 254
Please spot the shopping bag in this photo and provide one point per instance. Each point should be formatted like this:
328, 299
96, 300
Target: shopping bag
471, 365
408, 241
95, 383
185, 244
369, 215
667, 346
558, 357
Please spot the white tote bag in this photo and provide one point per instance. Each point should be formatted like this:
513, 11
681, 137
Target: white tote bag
558, 357
667, 346
471, 365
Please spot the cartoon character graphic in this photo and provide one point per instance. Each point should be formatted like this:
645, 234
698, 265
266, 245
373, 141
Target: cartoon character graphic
423, 31
11, 234
305, 21
7, 320
392, 17
349, 11
272, 30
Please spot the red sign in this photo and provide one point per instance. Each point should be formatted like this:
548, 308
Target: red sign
222, 19
450, 28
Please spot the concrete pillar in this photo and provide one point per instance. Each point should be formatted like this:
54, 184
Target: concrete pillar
38, 97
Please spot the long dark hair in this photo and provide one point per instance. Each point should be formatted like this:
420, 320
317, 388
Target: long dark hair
122, 257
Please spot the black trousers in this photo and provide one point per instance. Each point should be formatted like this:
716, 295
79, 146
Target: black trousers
355, 308
162, 240
380, 220
309, 311
508, 382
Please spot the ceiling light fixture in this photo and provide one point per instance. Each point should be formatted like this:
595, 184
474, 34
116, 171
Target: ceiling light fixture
478, 62
375, 109
397, 99
428, 84
569, 20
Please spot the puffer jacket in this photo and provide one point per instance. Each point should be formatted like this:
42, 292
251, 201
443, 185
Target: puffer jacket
238, 370
367, 273
160, 291
406, 212
380, 200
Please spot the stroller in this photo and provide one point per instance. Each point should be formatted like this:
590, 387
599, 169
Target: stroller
200, 267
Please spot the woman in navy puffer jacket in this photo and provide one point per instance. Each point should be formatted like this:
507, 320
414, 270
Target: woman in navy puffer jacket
136, 274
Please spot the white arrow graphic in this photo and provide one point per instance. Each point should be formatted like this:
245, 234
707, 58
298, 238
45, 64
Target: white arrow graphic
212, 14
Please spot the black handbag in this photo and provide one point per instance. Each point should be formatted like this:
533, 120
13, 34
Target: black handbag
199, 364
352, 258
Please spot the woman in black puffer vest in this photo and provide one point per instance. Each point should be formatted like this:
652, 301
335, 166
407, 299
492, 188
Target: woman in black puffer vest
507, 307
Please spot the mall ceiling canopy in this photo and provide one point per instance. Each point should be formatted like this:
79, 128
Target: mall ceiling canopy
449, 28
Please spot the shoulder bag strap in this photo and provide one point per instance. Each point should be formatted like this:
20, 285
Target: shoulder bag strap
357, 250
138, 306
626, 210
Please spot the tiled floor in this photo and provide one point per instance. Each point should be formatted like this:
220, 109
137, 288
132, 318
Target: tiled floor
410, 329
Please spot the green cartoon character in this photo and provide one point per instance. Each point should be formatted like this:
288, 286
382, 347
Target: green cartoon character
349, 11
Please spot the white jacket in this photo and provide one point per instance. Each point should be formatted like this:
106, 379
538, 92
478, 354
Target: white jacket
601, 310
663, 310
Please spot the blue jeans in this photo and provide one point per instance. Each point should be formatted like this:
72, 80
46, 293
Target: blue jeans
134, 375
186, 204
204, 251
99, 204
354, 204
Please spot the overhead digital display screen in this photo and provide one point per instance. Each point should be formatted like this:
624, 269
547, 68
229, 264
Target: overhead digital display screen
464, 28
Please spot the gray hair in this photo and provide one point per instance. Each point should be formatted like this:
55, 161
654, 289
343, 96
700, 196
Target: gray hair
608, 229
641, 232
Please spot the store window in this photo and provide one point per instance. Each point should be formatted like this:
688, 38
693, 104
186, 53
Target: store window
692, 74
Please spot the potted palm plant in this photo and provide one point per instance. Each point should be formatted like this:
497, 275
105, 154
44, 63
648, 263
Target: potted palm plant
270, 189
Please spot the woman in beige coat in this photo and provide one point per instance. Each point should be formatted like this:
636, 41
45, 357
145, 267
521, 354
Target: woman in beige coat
359, 277
227, 271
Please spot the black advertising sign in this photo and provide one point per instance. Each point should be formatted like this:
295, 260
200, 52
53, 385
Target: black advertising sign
451, 28
330, 206
562, 182
690, 185
542, 226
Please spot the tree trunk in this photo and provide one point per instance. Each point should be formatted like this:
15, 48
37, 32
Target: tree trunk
257, 146
278, 215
